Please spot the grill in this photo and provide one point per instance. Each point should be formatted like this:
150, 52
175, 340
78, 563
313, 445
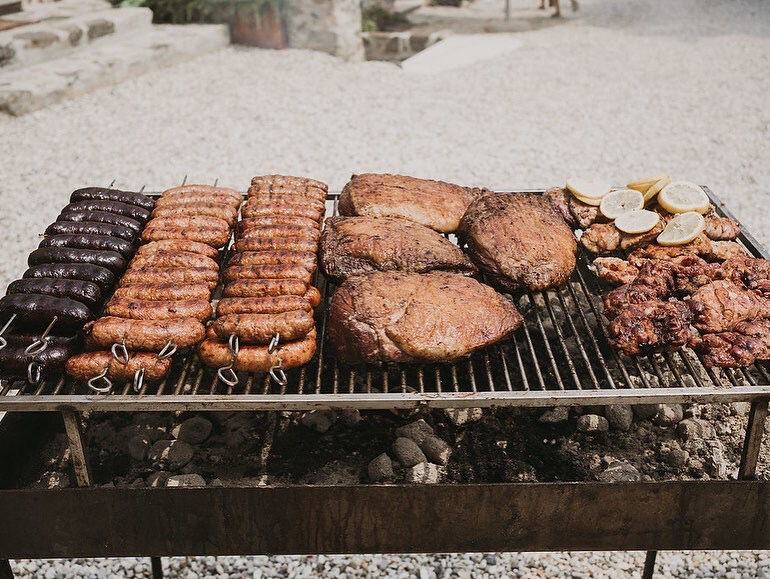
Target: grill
560, 356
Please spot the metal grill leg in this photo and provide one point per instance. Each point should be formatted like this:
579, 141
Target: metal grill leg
649, 564
157, 567
753, 441
5, 569
77, 447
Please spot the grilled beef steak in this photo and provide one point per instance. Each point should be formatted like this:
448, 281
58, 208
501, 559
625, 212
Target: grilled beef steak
410, 317
354, 245
519, 241
436, 204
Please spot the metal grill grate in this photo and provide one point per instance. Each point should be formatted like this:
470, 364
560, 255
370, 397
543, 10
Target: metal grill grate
560, 356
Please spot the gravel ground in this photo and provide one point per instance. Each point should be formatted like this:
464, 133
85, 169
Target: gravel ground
625, 89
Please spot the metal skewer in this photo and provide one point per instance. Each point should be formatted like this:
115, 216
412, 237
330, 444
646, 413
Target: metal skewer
3, 341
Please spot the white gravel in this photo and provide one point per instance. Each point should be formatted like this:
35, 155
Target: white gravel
625, 89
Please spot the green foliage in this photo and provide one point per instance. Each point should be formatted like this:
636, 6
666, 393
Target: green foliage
186, 11
376, 19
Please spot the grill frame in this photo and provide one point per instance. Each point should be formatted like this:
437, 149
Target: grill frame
552, 361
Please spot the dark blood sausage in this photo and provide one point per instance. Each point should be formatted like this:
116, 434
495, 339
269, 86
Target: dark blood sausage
100, 217
112, 260
90, 364
85, 292
14, 361
99, 242
35, 311
101, 276
91, 228
103, 194
125, 209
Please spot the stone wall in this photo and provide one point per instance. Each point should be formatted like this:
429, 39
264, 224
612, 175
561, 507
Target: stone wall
332, 26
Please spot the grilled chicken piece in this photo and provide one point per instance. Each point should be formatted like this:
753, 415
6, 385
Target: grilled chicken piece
435, 204
409, 317
653, 326
601, 238
721, 228
653, 282
519, 241
615, 270
559, 198
721, 305
701, 246
747, 343
354, 245
575, 212
752, 272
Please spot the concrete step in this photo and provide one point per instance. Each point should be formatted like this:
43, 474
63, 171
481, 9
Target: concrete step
56, 36
106, 63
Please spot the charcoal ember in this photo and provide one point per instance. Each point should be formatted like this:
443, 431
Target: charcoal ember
194, 430
53, 480
137, 483
407, 452
669, 415
554, 415
646, 411
186, 480
157, 479
462, 416
518, 471
152, 433
435, 449
174, 453
425, 473
238, 430
417, 430
380, 469
620, 472
151, 419
350, 417
139, 446
695, 428
592, 423
620, 416
674, 455
319, 420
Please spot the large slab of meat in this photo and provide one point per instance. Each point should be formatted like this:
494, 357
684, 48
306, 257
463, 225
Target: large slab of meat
519, 241
408, 317
435, 204
355, 245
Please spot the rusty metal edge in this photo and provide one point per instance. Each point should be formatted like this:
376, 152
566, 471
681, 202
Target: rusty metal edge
385, 519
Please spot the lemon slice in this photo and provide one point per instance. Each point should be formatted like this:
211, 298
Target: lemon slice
587, 201
616, 203
639, 221
683, 196
642, 185
656, 188
682, 229
588, 188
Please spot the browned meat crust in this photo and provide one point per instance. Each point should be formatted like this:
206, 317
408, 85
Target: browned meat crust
652, 326
721, 305
138, 309
216, 353
354, 245
260, 328
150, 335
90, 364
409, 317
747, 343
435, 204
519, 241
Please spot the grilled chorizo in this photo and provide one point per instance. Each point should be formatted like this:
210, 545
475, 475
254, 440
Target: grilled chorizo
91, 228
263, 220
14, 360
306, 260
112, 260
90, 364
237, 272
162, 275
273, 231
196, 221
212, 237
101, 276
99, 242
259, 288
190, 210
145, 335
290, 201
138, 309
35, 312
286, 182
103, 194
174, 259
268, 305
203, 190
313, 296
178, 245
255, 209
299, 244
162, 292
217, 354
85, 292
100, 217
221, 199
125, 209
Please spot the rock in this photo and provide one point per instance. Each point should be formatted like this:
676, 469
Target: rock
237, 429
103, 435
174, 453
407, 452
417, 430
669, 415
151, 419
646, 411
424, 473
554, 415
519, 471
696, 467
158, 479
350, 417
741, 408
462, 416
380, 469
186, 480
673, 454
319, 420
436, 449
216, 483
138, 446
139, 482
620, 472
715, 463
620, 416
53, 480
592, 423
193, 430
695, 428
